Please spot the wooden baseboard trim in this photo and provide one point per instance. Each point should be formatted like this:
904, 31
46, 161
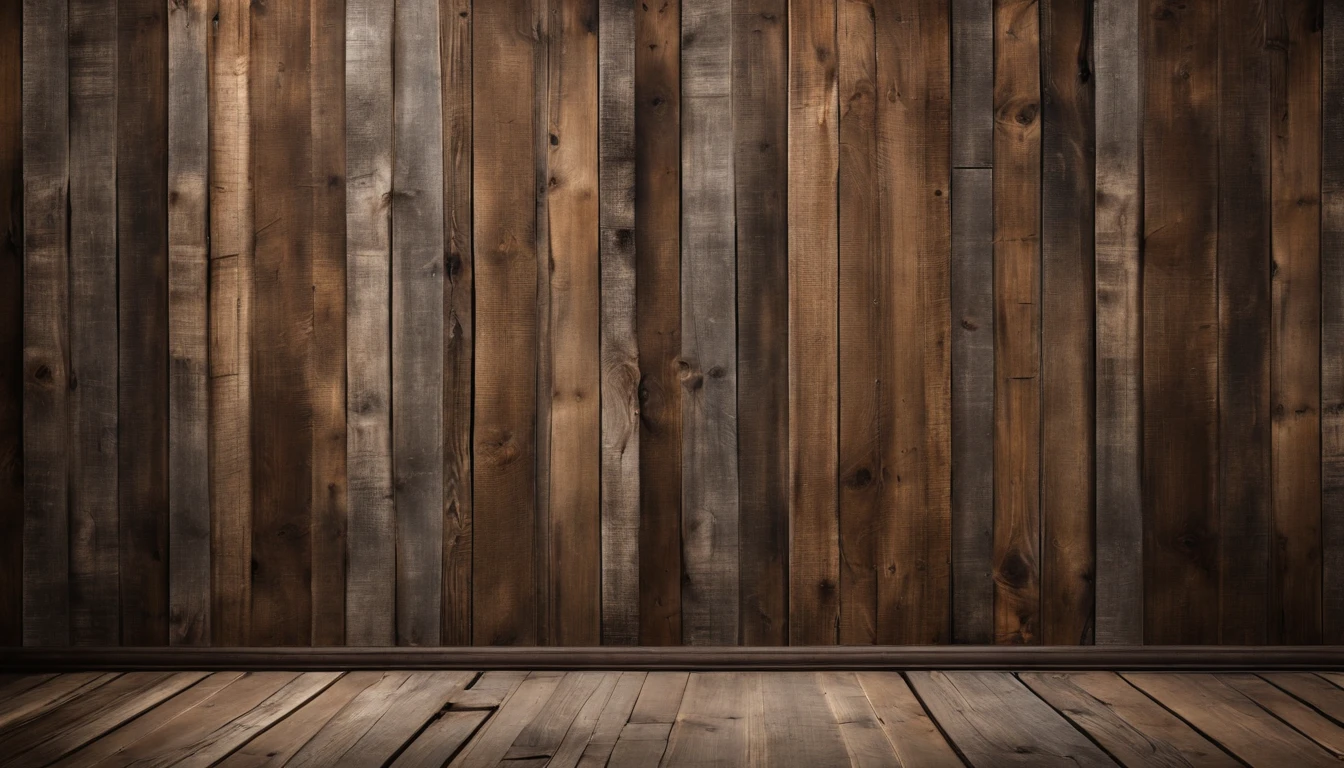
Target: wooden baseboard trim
1209, 658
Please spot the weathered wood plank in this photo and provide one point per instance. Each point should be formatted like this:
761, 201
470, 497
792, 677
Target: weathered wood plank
813, 242
760, 162
972, 84
859, 725
1294, 32
143, 372
1067, 282
46, 365
504, 440
230, 356
713, 725
1313, 689
658, 316
441, 739
1308, 720
1119, 357
278, 744
907, 725
370, 598
11, 322
620, 421
458, 324
417, 320
95, 616
542, 737
1244, 319
188, 476
1180, 325
610, 725
797, 724
52, 693
330, 491
523, 703
1332, 320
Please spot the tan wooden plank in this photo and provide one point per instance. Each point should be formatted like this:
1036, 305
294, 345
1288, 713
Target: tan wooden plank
52, 693
1313, 689
907, 726
278, 744
490, 745
640, 744
713, 726
611, 723
541, 738
1309, 721
660, 698
489, 690
800, 728
576, 740
865, 740
441, 739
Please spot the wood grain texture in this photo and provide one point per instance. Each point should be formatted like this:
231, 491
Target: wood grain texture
11, 321
1118, 222
504, 441
1017, 322
142, 316
714, 719
1067, 278
94, 551
46, 364
658, 316
620, 386
1244, 319
230, 326
417, 320
814, 133
760, 167
370, 597
1332, 321
710, 523
282, 310
188, 335
1294, 30
458, 318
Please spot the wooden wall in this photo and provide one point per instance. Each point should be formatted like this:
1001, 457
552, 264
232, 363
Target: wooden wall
440, 322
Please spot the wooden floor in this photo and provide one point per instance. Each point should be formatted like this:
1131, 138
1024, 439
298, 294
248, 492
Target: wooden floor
672, 719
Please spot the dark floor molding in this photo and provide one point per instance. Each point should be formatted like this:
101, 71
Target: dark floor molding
699, 658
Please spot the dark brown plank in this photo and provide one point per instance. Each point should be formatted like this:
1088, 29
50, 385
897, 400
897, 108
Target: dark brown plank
715, 722
710, 488
813, 241
1294, 30
620, 482
278, 744
907, 726
458, 334
142, 262
231, 263
994, 720
504, 450
1223, 714
1017, 322
542, 23
417, 320
658, 316
760, 165
188, 476
1131, 727
46, 371
1180, 325
11, 322
1119, 356
34, 702
575, 443
330, 478
1244, 319
1067, 283
95, 616
1313, 689
370, 600
913, 537
1332, 320
282, 344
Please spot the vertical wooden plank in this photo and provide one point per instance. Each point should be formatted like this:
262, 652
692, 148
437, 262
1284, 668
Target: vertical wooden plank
371, 529
95, 614
330, 477
282, 353
458, 341
142, 248
865, 417
1332, 321
972, 278
710, 583
914, 178
575, 441
1067, 284
1295, 384
658, 316
1180, 324
230, 332
188, 344
760, 161
619, 343
813, 241
1117, 226
11, 322
504, 470
417, 320
1017, 322
46, 461
542, 23
1243, 319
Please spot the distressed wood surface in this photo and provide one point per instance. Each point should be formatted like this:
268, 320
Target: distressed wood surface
11, 337
1332, 321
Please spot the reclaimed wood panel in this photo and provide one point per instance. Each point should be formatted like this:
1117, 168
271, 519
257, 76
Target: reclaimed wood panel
11, 321
1332, 320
